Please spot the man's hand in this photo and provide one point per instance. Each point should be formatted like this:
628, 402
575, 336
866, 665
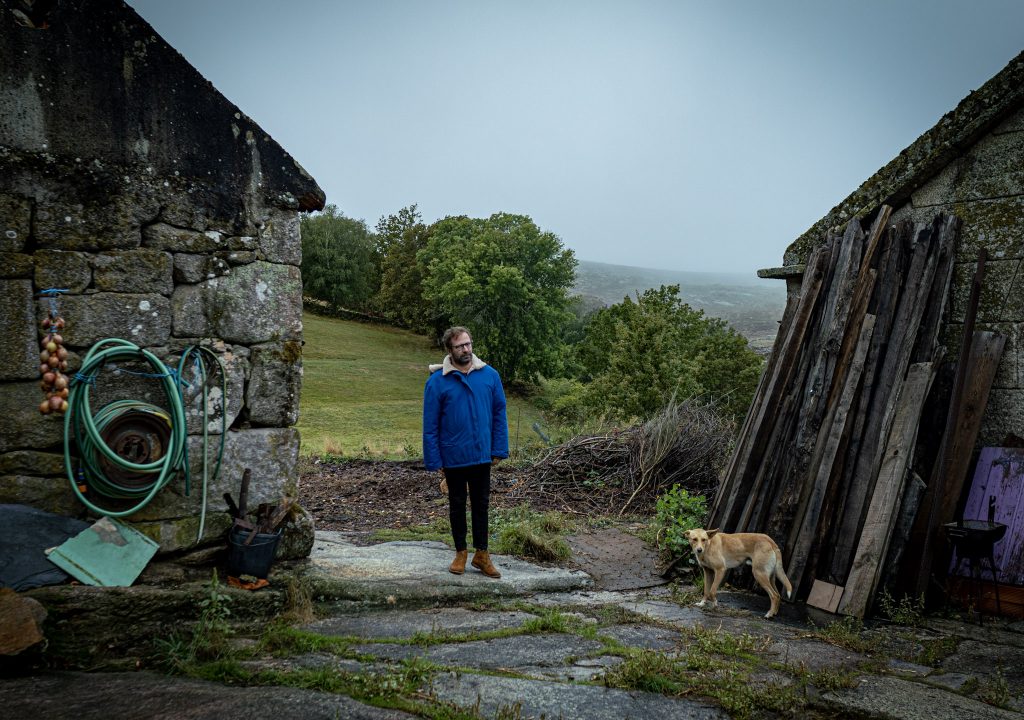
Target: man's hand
443, 485
495, 460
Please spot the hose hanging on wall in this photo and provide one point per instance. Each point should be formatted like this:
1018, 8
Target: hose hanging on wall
150, 443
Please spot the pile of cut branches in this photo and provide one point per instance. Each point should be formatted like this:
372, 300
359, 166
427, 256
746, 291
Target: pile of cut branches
687, 442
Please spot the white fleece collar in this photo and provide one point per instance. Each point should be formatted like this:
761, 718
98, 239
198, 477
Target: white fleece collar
447, 366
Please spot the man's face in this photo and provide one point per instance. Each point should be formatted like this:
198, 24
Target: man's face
462, 349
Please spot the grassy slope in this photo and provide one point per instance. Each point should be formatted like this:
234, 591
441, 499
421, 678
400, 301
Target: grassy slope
362, 390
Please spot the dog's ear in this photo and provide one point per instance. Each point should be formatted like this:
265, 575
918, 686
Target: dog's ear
712, 533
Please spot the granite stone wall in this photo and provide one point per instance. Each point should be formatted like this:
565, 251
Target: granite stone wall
984, 187
170, 219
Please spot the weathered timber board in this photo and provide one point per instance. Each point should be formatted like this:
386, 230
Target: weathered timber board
882, 511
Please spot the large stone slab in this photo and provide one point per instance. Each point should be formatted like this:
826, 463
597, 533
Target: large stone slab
889, 697
644, 636
109, 223
404, 624
533, 698
16, 265
15, 219
162, 236
101, 696
62, 269
275, 380
508, 653
23, 427
31, 462
144, 319
19, 342
141, 270
417, 572
976, 657
270, 453
279, 238
52, 494
254, 303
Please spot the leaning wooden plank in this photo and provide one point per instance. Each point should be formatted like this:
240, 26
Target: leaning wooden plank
735, 484
829, 445
813, 408
865, 288
948, 227
986, 352
894, 368
923, 526
874, 539
941, 503
760, 494
855, 322
883, 306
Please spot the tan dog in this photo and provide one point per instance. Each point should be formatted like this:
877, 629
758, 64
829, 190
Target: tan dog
717, 552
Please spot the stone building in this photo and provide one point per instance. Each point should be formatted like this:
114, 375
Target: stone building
170, 219
970, 164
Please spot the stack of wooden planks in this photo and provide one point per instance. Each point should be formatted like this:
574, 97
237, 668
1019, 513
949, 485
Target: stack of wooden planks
822, 461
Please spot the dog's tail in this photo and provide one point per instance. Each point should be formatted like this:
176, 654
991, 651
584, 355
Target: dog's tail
781, 574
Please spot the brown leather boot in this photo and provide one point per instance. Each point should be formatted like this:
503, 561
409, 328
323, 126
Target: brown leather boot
482, 562
458, 565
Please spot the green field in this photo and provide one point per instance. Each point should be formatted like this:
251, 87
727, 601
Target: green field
362, 391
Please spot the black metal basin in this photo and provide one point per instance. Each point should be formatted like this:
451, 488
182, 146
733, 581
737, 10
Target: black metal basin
974, 538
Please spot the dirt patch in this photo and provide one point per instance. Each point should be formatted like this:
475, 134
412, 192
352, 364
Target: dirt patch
360, 496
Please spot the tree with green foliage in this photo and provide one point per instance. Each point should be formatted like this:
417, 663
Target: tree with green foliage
638, 354
508, 281
400, 239
339, 260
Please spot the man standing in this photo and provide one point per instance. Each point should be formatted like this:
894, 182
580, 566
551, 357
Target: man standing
465, 431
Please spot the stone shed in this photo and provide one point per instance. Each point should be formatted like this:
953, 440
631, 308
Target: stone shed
170, 219
970, 164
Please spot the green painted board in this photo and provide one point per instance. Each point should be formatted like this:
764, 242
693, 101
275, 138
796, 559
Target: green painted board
109, 554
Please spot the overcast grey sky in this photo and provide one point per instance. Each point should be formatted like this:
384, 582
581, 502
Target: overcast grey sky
682, 135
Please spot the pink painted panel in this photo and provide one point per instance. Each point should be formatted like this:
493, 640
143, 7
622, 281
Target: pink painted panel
1000, 474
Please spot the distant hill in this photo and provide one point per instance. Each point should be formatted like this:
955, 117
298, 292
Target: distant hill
751, 305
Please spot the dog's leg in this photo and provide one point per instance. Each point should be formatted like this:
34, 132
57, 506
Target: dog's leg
712, 594
764, 579
708, 578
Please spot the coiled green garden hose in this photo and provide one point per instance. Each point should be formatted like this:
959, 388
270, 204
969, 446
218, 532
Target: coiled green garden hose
81, 424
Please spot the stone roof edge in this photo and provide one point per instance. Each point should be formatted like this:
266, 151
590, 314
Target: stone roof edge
957, 130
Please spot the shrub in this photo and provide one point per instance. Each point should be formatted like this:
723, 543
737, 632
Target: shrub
676, 512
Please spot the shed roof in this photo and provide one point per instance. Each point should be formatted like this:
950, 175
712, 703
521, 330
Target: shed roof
893, 185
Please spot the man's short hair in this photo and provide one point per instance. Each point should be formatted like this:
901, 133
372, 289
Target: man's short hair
451, 333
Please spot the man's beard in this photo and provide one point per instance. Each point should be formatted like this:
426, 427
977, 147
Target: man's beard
463, 358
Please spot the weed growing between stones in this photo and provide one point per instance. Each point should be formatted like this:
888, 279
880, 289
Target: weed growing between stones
848, 633
299, 607
715, 642
209, 637
935, 650
829, 679
905, 611
282, 640
994, 690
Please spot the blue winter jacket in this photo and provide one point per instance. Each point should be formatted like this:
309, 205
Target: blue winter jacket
464, 420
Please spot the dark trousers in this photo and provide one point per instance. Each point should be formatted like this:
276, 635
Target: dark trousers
478, 480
